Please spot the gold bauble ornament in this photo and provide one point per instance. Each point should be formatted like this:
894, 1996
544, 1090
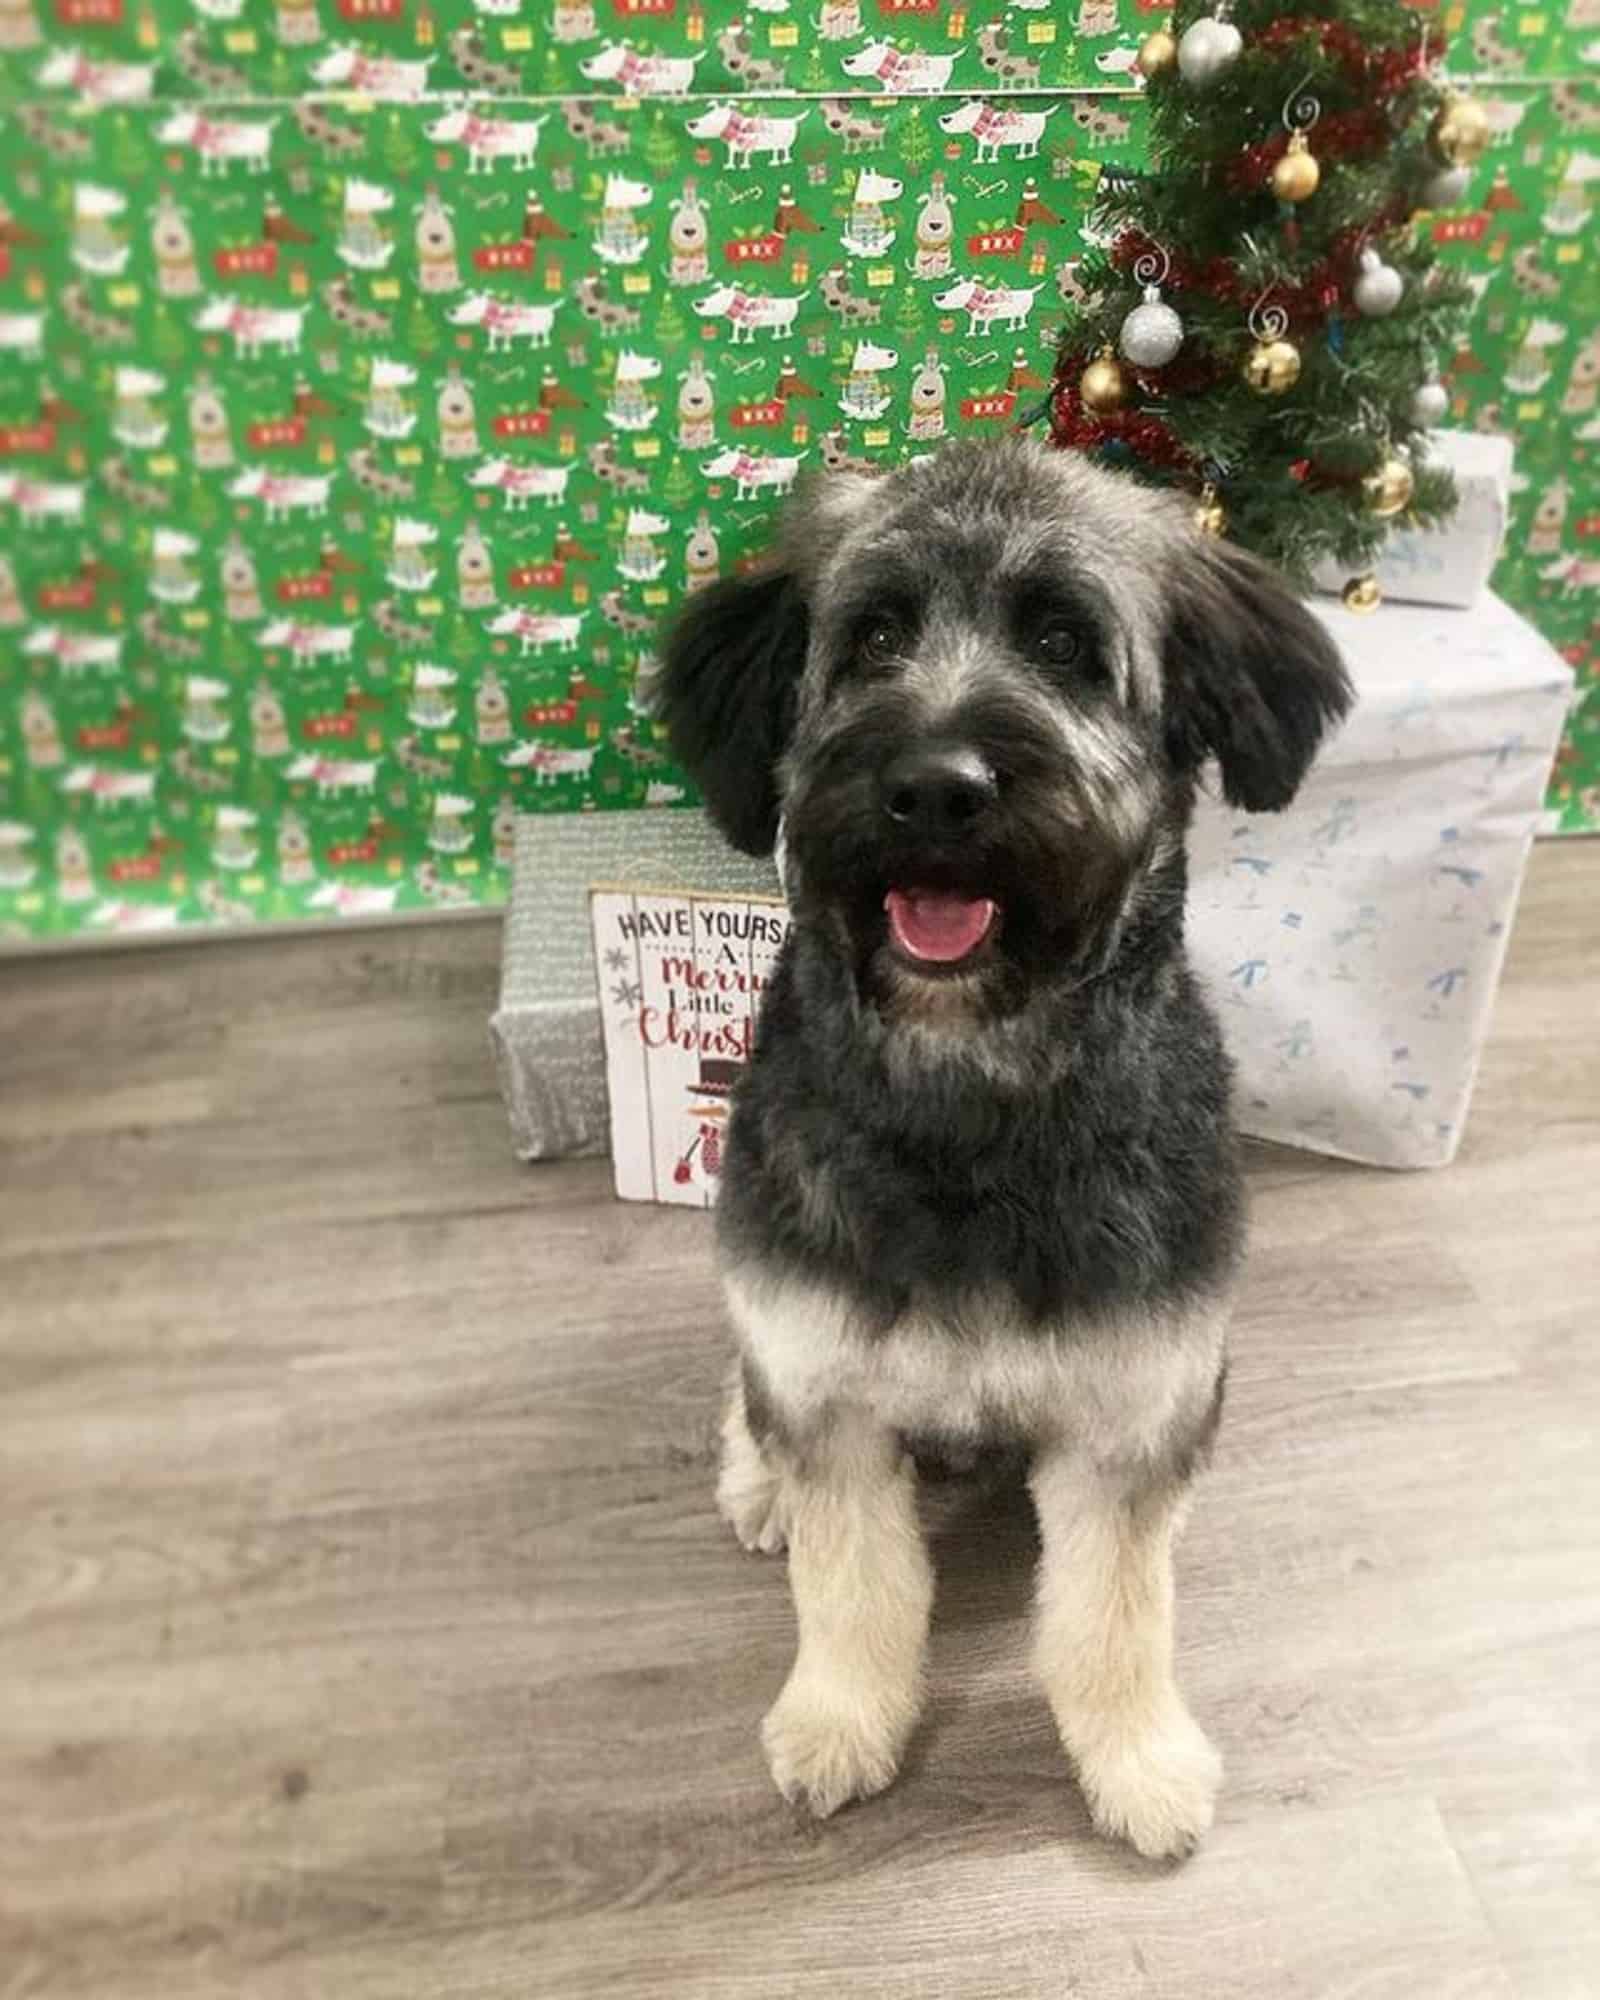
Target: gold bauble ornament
1272, 367
1103, 387
1296, 175
1361, 594
1210, 517
1157, 53
1388, 491
1460, 132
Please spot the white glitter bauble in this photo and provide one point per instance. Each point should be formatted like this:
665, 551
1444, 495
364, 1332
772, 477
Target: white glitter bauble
1447, 188
1380, 287
1206, 49
1429, 405
1151, 334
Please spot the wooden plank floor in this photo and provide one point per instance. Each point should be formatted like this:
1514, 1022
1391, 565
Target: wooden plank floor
366, 1629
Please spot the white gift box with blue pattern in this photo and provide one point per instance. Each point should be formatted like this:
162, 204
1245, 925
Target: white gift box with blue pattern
1352, 943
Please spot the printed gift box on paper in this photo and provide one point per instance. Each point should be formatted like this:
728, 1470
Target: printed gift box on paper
1352, 944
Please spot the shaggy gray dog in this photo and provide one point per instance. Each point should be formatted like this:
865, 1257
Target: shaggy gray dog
981, 1188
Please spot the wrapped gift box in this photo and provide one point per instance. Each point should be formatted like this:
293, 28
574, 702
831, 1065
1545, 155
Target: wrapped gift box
546, 1031
1352, 943
1449, 565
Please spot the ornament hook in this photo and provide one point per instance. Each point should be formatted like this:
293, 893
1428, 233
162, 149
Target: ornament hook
1268, 322
1301, 109
1153, 266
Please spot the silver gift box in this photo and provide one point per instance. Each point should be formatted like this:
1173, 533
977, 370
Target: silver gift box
546, 1030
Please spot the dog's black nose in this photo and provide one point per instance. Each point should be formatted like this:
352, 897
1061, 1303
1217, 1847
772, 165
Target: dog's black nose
937, 791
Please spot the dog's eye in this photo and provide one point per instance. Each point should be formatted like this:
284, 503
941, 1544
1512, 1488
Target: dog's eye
881, 639
1057, 642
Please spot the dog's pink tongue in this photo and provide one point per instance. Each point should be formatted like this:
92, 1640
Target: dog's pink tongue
940, 928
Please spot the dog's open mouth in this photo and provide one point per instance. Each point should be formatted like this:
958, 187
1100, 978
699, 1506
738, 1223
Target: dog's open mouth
934, 929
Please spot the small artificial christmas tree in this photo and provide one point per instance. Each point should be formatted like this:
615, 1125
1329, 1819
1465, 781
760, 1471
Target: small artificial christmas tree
1264, 318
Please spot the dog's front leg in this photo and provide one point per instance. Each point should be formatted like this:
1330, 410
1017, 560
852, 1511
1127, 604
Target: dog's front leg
1103, 1650
863, 1588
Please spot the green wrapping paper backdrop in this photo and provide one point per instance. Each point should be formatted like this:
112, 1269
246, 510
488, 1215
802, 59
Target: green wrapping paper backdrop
374, 373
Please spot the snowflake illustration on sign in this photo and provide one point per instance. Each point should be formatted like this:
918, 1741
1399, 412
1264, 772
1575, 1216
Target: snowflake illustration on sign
868, 232
622, 238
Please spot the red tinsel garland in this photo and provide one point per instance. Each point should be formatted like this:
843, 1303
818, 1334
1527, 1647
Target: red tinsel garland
1074, 428
1344, 136
1316, 295
1388, 71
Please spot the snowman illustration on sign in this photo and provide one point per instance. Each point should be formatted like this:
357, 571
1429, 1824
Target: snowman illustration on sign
701, 1160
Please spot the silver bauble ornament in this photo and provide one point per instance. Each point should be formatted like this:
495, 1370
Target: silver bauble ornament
1430, 405
1380, 287
1447, 188
1152, 333
1206, 49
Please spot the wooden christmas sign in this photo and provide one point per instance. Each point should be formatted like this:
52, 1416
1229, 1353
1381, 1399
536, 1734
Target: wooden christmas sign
681, 978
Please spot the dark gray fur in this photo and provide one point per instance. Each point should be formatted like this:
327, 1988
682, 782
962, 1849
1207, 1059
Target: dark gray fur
1053, 1130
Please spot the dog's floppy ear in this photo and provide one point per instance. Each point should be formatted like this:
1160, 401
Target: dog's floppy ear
1252, 678
730, 670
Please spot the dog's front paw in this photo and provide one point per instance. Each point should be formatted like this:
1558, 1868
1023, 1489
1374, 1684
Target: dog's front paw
1157, 1791
824, 1748
750, 1500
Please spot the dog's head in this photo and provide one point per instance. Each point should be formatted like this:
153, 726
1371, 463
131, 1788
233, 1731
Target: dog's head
978, 691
